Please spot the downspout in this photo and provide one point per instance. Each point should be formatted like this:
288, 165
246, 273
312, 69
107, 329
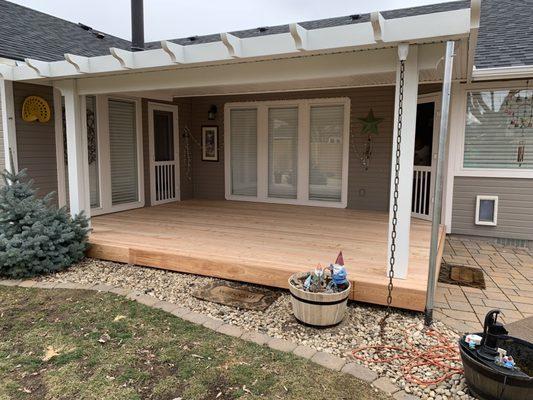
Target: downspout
437, 202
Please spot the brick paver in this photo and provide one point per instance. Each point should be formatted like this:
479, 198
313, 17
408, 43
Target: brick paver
508, 273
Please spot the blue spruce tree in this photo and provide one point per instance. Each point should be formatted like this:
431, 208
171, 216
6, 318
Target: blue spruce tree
35, 236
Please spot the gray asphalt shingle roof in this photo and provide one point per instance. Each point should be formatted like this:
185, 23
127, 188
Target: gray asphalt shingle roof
28, 33
505, 37
506, 34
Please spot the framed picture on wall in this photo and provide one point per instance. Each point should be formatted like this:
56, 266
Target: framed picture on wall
209, 143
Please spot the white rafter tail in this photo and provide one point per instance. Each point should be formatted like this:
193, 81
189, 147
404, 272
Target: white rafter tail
124, 57
233, 44
475, 17
299, 35
6, 72
175, 51
81, 63
41, 67
378, 26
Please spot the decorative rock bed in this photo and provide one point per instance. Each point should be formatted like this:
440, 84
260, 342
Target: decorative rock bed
359, 328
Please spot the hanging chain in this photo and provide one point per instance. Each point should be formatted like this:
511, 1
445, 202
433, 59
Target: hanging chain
188, 155
392, 260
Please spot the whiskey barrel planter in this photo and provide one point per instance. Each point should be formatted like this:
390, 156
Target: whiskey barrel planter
318, 309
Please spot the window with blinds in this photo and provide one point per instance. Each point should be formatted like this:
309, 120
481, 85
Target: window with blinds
123, 152
283, 152
325, 152
243, 152
499, 129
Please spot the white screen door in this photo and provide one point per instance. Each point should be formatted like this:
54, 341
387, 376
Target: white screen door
164, 153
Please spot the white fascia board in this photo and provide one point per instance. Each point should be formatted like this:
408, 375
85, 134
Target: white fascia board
441, 25
288, 70
517, 72
475, 18
233, 44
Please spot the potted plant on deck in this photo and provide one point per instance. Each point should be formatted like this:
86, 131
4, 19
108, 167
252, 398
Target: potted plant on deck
319, 297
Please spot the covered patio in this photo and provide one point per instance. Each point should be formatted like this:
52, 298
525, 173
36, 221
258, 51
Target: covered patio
288, 145
264, 244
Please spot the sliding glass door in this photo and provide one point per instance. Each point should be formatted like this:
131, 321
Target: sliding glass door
288, 151
244, 152
283, 152
123, 152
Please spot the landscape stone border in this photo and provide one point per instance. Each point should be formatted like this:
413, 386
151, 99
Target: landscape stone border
321, 358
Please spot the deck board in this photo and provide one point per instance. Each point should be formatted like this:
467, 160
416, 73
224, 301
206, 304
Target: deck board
264, 244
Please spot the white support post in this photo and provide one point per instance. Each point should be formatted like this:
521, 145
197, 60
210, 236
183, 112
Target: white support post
8, 124
76, 149
405, 174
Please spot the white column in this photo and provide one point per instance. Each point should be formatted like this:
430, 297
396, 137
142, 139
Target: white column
407, 146
8, 124
77, 157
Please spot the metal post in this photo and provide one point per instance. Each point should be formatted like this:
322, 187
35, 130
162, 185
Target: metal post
437, 201
137, 25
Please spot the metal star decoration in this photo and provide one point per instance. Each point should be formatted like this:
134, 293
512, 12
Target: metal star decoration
370, 123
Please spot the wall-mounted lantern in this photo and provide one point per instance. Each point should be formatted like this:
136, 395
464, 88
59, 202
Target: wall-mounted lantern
212, 113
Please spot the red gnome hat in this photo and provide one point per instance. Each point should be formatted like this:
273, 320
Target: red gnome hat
340, 259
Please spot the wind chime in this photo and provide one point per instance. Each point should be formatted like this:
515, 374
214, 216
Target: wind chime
370, 127
520, 111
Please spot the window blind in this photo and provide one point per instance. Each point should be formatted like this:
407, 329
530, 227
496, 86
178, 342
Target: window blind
325, 157
243, 123
282, 152
499, 129
123, 152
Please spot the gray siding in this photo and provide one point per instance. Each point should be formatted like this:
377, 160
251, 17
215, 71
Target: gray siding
515, 214
36, 149
367, 190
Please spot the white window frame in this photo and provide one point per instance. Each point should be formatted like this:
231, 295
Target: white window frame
106, 166
494, 221
104, 160
460, 126
304, 108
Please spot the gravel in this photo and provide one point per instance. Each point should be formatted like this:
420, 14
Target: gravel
359, 328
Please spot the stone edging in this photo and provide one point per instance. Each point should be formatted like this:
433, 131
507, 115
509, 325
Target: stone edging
321, 358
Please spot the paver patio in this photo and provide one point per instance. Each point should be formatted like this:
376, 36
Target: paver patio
508, 275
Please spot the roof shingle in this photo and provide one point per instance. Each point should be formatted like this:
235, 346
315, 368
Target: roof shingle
505, 36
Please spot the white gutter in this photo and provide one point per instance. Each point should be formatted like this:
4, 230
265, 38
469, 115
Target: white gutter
487, 74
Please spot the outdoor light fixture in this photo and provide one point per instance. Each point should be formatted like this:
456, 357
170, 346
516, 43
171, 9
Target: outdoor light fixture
212, 113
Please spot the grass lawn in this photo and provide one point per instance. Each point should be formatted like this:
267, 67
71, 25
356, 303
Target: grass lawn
68, 344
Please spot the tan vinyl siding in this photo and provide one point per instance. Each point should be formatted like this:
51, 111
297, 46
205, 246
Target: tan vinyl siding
515, 211
36, 140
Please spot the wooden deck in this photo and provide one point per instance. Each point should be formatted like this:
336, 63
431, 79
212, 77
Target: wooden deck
264, 244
